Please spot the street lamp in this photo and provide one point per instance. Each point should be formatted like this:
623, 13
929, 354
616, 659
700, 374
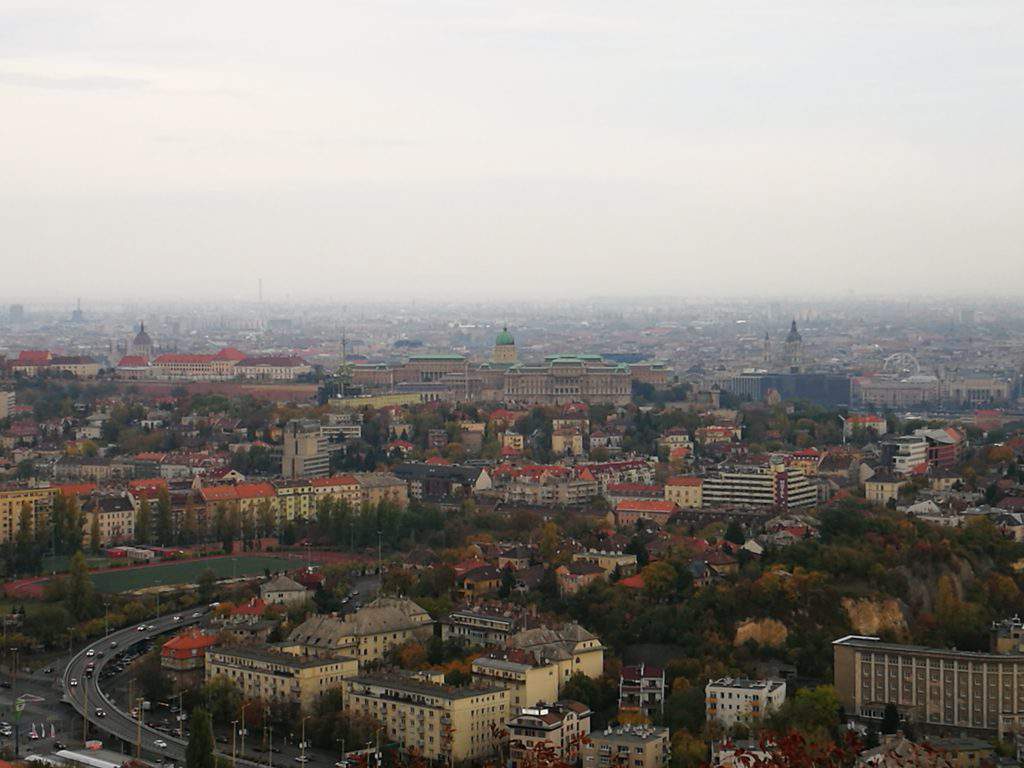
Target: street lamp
302, 746
234, 733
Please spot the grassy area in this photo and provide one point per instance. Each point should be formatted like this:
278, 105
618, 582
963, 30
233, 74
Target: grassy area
59, 563
188, 572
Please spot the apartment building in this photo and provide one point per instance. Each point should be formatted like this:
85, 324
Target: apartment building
732, 700
628, 746
641, 692
440, 722
883, 488
570, 647
773, 486
905, 455
304, 451
480, 626
368, 634
553, 731
625, 563
282, 590
17, 496
380, 488
971, 692
6, 404
685, 491
526, 678
115, 518
279, 677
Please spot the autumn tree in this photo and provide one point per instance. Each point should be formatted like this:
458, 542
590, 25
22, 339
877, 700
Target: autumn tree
164, 519
142, 522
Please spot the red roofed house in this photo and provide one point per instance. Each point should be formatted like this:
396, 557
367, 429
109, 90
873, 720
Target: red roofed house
629, 511
185, 654
686, 491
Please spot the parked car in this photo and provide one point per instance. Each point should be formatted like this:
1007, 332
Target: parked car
160, 744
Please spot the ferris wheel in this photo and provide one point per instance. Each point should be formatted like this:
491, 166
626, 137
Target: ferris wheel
901, 363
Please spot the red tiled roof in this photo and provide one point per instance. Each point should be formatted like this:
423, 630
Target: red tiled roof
230, 353
133, 361
218, 493
255, 491
437, 461
188, 644
632, 582
77, 489
645, 505
255, 607
687, 480
333, 481
33, 357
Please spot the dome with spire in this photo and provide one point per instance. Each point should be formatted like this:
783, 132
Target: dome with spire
141, 344
794, 334
504, 338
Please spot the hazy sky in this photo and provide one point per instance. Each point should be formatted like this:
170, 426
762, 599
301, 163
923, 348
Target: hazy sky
409, 147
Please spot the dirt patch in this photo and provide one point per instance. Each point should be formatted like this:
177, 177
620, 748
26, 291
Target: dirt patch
767, 632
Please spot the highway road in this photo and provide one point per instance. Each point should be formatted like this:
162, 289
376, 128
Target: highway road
86, 696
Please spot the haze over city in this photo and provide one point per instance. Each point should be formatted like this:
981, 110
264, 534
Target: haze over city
465, 149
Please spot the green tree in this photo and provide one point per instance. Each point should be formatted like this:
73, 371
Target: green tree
58, 514
94, 533
164, 521
142, 522
890, 719
26, 557
189, 533
199, 752
80, 589
659, 580
734, 533
153, 683
207, 586
73, 526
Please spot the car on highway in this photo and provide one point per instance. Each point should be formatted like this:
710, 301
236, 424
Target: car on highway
177, 618
100, 713
140, 628
160, 744
113, 643
73, 682
196, 615
150, 627
302, 759
90, 653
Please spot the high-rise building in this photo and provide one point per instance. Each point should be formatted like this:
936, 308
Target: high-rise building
6, 404
773, 486
305, 452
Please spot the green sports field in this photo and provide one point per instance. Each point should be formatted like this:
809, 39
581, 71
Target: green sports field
187, 572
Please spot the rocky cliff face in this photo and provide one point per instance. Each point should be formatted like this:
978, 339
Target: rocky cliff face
766, 632
877, 617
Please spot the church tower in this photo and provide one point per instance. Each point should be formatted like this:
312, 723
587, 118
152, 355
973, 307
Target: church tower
504, 348
794, 349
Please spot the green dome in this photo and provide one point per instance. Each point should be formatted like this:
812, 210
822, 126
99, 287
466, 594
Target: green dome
504, 339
